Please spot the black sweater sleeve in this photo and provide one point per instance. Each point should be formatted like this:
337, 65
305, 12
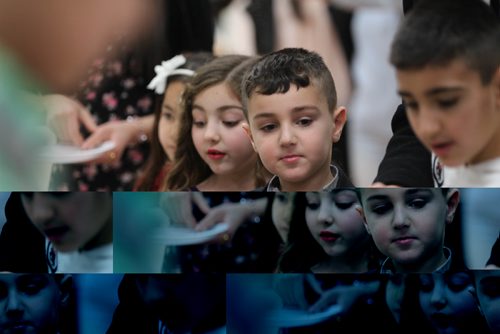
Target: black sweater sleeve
406, 162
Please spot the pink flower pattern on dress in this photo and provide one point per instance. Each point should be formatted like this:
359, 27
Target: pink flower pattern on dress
113, 90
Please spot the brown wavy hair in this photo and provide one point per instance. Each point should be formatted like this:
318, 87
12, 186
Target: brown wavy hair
189, 169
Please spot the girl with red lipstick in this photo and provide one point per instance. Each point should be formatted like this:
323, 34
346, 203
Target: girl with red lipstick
327, 235
213, 151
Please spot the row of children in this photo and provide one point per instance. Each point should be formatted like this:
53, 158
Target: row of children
238, 123
455, 302
348, 230
150, 304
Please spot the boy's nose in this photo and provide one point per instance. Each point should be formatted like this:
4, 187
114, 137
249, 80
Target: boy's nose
287, 136
400, 218
13, 305
426, 125
41, 209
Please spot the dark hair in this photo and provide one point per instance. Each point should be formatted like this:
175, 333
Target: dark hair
276, 71
158, 158
189, 169
302, 251
438, 32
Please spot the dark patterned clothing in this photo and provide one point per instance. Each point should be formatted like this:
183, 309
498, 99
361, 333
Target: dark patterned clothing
254, 248
114, 90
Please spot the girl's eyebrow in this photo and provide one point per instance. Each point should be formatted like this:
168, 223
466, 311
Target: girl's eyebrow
220, 109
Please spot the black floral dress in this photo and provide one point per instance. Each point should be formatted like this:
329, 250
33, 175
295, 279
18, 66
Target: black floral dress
115, 89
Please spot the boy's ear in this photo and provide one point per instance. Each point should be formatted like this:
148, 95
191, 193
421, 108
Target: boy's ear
246, 127
452, 200
496, 83
66, 288
362, 214
339, 119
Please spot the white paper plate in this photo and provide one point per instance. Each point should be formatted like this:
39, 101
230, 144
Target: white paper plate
178, 236
284, 318
69, 154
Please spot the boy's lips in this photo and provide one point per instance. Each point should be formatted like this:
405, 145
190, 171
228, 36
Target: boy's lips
55, 234
404, 240
441, 148
215, 154
17, 326
328, 236
290, 158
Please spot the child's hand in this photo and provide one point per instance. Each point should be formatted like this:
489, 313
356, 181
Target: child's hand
178, 206
64, 117
292, 289
233, 214
122, 133
345, 296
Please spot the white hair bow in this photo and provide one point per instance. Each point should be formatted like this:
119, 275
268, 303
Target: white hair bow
166, 69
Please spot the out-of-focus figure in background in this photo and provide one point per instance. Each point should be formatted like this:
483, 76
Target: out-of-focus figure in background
40, 54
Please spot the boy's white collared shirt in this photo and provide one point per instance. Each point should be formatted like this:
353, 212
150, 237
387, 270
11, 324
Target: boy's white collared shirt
275, 186
163, 329
485, 174
388, 267
98, 260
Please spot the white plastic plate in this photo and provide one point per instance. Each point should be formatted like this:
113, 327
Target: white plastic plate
68, 154
286, 317
178, 236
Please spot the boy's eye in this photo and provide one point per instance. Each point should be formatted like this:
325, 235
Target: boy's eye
267, 127
381, 208
32, 284
417, 203
304, 121
410, 105
32, 288
447, 103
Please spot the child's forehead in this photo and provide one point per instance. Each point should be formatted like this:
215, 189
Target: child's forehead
432, 76
294, 99
393, 193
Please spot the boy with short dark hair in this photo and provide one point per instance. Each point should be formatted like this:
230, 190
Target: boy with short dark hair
290, 103
408, 226
34, 303
447, 57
